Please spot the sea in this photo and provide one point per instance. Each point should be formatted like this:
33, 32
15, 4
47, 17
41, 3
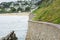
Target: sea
19, 24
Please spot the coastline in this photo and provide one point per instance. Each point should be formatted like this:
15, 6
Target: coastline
15, 14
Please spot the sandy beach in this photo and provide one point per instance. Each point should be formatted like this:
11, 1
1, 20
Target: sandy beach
15, 14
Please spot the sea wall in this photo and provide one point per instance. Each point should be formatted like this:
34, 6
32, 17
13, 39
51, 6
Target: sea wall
42, 30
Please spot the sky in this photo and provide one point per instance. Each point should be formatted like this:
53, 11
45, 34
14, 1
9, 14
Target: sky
6, 0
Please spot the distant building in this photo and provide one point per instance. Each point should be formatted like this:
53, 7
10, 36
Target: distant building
12, 4
24, 0
7, 9
32, 1
35, 1
22, 4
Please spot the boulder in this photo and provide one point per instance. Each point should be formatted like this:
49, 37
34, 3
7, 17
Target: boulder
10, 36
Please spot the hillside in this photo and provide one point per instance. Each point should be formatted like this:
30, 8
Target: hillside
18, 6
48, 11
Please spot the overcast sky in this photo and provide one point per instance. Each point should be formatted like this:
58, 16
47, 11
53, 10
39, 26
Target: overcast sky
6, 0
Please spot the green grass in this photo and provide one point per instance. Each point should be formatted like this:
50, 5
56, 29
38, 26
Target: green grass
48, 11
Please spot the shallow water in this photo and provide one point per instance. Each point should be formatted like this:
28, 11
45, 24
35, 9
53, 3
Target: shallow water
17, 23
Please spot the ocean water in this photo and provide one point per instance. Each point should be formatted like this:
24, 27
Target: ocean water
17, 23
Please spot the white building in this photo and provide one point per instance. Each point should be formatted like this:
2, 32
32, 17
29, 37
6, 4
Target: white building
32, 1
7, 9
35, 1
24, 0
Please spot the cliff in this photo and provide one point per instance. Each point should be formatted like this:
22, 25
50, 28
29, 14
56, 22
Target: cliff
48, 11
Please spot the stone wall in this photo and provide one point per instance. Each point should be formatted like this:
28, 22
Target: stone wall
42, 31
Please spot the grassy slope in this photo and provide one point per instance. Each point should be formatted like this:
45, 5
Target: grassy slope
49, 11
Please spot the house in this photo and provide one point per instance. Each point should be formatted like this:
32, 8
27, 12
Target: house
35, 1
12, 4
24, 0
7, 9
33, 6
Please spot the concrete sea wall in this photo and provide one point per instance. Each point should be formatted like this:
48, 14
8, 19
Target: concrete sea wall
42, 30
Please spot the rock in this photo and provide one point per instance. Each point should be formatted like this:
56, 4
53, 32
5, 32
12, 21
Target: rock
11, 36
